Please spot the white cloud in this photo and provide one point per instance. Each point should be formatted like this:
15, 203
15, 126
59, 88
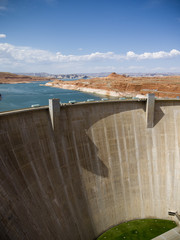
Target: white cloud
11, 55
153, 55
2, 35
131, 54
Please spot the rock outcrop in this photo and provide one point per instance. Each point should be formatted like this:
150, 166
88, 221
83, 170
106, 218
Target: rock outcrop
6, 77
122, 85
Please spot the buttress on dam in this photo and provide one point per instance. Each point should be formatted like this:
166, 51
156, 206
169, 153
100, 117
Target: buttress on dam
70, 172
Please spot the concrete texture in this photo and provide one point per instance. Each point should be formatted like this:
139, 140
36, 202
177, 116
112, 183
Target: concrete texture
54, 111
173, 234
102, 166
150, 110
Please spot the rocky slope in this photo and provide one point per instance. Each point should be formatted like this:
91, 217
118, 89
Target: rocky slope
14, 78
122, 85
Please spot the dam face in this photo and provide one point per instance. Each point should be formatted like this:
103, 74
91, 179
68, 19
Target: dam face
98, 167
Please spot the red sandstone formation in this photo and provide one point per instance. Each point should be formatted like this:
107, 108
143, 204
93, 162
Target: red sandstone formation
122, 85
14, 78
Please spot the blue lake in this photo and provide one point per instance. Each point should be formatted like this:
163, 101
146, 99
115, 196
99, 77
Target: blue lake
23, 95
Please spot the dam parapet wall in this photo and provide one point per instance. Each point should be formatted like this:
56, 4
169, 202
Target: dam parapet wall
101, 166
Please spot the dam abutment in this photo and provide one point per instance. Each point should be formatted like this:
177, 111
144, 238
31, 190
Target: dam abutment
102, 167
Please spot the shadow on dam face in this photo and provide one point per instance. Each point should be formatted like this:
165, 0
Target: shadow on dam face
101, 167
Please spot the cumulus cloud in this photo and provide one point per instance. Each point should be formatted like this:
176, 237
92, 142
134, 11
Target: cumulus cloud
87, 57
2, 35
153, 55
15, 54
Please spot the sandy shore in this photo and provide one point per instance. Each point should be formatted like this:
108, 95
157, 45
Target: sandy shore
96, 91
86, 89
116, 85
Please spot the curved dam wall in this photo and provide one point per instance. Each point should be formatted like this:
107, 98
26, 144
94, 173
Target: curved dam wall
99, 167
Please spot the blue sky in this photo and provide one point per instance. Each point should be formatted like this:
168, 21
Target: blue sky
68, 36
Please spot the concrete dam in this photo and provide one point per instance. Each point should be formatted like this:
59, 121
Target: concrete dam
70, 172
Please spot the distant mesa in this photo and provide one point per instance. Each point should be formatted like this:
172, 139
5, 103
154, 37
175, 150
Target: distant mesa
112, 84
115, 75
6, 77
117, 85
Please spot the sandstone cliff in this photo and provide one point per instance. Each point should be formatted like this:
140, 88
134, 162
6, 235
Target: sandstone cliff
6, 77
122, 85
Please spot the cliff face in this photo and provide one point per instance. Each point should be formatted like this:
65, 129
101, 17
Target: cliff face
14, 78
101, 166
121, 85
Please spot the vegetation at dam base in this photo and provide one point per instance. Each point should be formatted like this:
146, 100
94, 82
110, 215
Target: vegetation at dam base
144, 229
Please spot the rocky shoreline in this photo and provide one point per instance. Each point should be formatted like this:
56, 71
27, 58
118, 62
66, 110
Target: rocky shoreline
10, 78
86, 89
116, 85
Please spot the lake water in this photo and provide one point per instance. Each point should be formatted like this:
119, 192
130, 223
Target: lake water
23, 95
